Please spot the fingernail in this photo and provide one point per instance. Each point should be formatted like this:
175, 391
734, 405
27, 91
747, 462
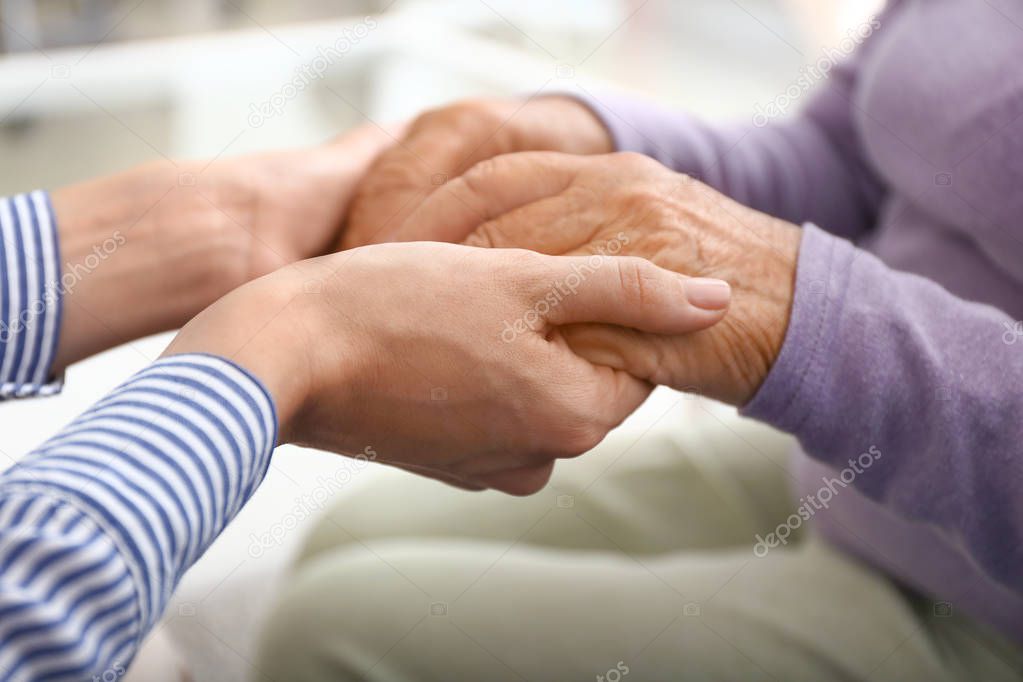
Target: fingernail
709, 294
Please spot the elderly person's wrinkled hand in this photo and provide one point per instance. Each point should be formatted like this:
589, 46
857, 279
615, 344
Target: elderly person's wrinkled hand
626, 204
443, 143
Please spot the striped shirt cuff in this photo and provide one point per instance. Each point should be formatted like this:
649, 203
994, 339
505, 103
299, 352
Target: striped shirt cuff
30, 296
99, 524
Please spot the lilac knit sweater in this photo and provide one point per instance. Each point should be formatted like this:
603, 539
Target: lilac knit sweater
907, 341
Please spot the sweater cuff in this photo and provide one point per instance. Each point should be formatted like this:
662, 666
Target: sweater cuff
614, 112
670, 137
788, 396
623, 117
30, 296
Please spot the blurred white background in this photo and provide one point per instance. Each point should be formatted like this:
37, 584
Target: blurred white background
93, 86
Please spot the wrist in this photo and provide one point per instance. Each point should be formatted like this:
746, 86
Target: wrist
764, 293
757, 255
264, 328
142, 252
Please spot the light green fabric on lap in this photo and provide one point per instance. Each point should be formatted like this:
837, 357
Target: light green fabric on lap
636, 563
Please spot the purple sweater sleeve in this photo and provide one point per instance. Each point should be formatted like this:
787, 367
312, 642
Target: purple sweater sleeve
809, 168
876, 358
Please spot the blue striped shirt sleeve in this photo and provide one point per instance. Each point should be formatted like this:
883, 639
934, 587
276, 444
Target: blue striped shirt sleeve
30, 296
98, 525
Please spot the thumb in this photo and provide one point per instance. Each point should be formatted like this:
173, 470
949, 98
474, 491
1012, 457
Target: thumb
390, 190
631, 292
487, 190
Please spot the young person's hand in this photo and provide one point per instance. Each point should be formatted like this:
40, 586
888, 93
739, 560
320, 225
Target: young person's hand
443, 143
406, 348
629, 204
145, 250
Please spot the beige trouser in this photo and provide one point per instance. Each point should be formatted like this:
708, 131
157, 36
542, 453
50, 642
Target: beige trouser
637, 563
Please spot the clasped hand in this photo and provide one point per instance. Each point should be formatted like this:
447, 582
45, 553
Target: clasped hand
524, 192
609, 271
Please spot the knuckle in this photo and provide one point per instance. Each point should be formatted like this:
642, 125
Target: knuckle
575, 419
521, 272
690, 181
532, 267
634, 281
634, 161
477, 178
485, 113
641, 198
522, 486
581, 439
541, 477
431, 118
478, 187
462, 115
645, 205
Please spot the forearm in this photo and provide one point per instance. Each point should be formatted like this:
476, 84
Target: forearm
100, 523
875, 358
143, 251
